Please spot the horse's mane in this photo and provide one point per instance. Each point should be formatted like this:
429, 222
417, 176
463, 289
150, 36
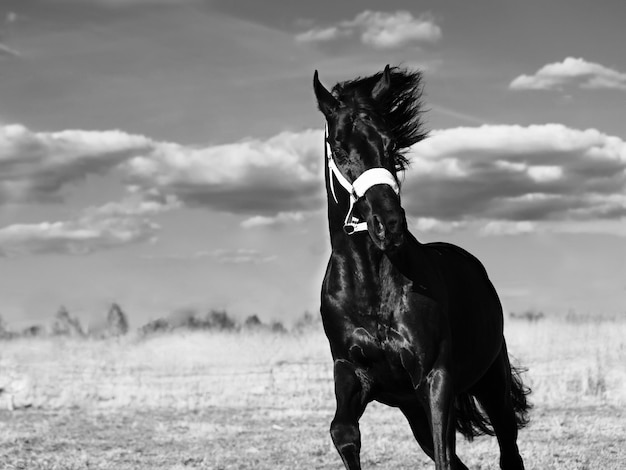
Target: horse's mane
400, 107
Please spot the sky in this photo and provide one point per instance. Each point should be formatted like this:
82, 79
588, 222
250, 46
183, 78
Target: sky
168, 154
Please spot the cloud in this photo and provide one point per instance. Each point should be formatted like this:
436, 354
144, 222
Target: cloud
36, 167
391, 30
571, 71
252, 177
221, 255
499, 179
322, 34
261, 177
98, 228
483, 227
380, 30
6, 51
512, 178
430, 224
142, 205
239, 256
85, 235
282, 218
507, 227
131, 3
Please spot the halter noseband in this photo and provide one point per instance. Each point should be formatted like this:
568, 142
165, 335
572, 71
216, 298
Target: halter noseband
357, 188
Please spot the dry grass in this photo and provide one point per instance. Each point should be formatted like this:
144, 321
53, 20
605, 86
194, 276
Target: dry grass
264, 401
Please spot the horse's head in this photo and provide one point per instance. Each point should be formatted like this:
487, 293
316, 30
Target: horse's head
362, 155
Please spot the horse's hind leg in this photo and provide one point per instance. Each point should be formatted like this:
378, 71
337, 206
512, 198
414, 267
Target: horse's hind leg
418, 420
351, 402
493, 391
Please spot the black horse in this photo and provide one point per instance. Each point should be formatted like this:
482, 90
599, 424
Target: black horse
411, 325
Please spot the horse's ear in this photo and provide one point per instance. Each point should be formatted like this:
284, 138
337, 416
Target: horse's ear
326, 102
383, 85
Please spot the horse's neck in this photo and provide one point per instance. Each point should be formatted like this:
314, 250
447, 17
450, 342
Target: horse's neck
358, 253
369, 267
414, 261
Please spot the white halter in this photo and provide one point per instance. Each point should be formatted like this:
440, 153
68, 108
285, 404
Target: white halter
356, 189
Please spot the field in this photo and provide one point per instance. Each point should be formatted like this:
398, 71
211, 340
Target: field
264, 400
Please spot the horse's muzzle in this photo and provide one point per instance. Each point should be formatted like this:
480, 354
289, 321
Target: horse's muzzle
386, 222
388, 234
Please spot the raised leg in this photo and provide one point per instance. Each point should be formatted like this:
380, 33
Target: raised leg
493, 391
351, 401
418, 420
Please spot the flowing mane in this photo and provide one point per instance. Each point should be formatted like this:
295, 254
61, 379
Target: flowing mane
401, 108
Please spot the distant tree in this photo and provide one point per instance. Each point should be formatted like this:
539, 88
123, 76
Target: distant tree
220, 320
528, 315
189, 319
4, 330
156, 326
33, 331
252, 322
117, 322
308, 320
278, 327
66, 325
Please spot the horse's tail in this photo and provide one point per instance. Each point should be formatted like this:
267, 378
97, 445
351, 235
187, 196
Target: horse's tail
471, 419
519, 397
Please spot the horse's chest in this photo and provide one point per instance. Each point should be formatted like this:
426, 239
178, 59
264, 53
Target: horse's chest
382, 358
382, 333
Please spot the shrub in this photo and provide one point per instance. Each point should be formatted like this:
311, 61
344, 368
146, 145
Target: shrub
117, 322
66, 325
252, 322
278, 327
306, 322
33, 331
4, 330
188, 319
219, 320
528, 315
159, 325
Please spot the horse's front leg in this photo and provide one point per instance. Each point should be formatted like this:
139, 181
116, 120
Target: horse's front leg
351, 402
440, 404
440, 399
436, 394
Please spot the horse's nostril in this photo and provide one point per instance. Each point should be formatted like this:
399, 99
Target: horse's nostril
379, 227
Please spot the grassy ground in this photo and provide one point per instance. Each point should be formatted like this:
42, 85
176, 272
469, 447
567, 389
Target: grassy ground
249, 438
264, 401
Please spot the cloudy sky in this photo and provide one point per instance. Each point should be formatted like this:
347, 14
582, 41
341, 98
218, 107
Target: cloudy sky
167, 153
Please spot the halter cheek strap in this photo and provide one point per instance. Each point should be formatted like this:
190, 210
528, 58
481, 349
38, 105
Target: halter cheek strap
356, 189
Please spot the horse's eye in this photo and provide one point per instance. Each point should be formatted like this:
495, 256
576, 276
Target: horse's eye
388, 143
337, 150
